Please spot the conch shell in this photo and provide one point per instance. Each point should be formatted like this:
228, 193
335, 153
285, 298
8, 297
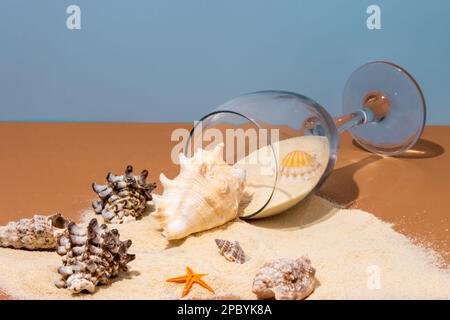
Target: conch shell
39, 232
285, 279
123, 196
91, 256
207, 193
298, 164
231, 250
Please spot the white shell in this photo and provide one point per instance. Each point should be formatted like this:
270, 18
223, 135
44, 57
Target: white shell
205, 194
285, 279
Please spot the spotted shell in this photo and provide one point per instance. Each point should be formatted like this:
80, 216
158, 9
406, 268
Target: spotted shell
298, 164
231, 250
285, 279
39, 232
123, 196
91, 256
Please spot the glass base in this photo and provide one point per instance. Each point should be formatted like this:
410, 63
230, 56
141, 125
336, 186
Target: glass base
394, 103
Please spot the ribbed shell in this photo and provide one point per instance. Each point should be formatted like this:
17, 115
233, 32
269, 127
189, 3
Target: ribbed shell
231, 250
91, 256
123, 196
206, 194
37, 233
298, 164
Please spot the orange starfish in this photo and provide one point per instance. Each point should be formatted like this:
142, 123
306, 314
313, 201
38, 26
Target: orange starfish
190, 278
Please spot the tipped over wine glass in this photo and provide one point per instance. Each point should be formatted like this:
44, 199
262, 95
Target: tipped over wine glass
384, 111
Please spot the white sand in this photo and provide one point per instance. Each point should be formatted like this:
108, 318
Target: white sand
261, 174
344, 245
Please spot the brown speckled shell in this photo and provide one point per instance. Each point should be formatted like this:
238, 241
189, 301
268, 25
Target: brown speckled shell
123, 196
231, 250
91, 256
285, 279
37, 233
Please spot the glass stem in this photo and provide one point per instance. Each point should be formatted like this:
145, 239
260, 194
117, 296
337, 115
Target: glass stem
345, 122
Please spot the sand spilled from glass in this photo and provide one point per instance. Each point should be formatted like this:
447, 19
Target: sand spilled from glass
261, 174
356, 256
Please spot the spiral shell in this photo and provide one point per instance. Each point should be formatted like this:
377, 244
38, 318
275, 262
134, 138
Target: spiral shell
207, 193
39, 232
123, 196
285, 279
91, 256
231, 250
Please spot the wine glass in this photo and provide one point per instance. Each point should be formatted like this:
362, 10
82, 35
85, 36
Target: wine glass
288, 143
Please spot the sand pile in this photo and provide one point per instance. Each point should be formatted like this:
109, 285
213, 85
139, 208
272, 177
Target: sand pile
355, 254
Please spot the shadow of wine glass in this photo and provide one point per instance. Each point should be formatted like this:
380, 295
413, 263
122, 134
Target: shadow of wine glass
423, 149
341, 187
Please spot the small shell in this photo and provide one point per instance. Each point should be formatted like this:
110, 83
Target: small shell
123, 196
207, 193
231, 250
91, 256
285, 279
298, 164
39, 232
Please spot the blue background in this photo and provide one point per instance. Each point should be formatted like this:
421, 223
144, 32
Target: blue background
168, 61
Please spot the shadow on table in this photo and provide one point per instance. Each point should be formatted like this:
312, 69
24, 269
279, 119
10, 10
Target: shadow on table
423, 149
341, 187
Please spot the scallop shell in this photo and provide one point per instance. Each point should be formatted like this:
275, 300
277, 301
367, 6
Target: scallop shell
207, 193
285, 279
298, 164
123, 196
91, 256
39, 232
231, 250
